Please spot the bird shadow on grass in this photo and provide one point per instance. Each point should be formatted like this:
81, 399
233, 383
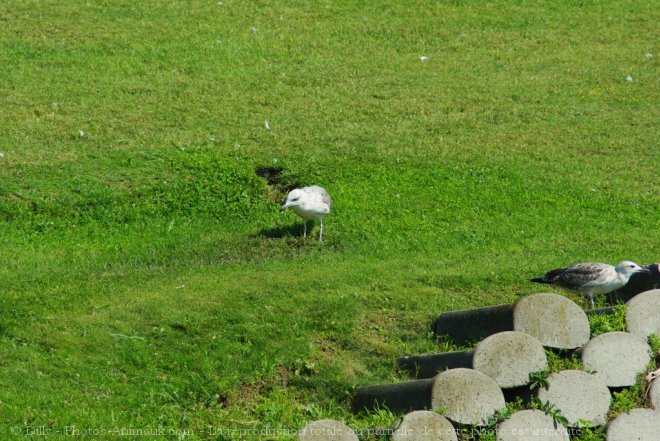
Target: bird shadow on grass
284, 231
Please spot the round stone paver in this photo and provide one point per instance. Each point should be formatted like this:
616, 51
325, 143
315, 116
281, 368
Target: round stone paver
528, 425
579, 396
616, 357
423, 425
554, 320
643, 314
326, 430
468, 396
509, 357
654, 394
636, 425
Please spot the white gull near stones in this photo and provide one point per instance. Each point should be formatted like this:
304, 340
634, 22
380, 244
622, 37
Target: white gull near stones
591, 279
309, 203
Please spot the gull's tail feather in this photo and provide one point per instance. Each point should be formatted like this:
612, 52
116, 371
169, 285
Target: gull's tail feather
540, 280
550, 277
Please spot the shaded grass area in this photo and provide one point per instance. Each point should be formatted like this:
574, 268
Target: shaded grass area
148, 279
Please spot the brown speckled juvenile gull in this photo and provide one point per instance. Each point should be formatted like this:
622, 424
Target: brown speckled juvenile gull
310, 203
591, 278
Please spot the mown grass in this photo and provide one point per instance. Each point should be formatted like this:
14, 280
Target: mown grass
148, 281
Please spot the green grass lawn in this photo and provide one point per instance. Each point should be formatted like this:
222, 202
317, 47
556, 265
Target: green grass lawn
149, 281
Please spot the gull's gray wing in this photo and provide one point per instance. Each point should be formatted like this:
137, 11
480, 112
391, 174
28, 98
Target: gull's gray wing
578, 275
325, 197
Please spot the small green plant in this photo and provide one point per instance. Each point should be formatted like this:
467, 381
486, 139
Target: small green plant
499, 416
586, 433
549, 409
559, 360
303, 368
627, 399
489, 430
476, 433
539, 379
602, 323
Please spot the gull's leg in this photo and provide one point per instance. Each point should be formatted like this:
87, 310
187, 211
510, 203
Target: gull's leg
614, 298
591, 299
304, 228
321, 233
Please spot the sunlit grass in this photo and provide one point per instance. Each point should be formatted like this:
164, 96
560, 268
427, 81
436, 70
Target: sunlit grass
148, 280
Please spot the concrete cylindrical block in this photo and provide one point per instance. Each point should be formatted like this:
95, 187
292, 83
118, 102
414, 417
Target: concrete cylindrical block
326, 430
654, 394
427, 366
509, 357
528, 425
554, 320
616, 357
470, 325
397, 397
638, 425
643, 314
423, 425
468, 396
579, 396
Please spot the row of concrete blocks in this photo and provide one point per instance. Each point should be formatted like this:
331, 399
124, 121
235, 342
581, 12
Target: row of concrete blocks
476, 382
558, 324
422, 425
552, 321
466, 326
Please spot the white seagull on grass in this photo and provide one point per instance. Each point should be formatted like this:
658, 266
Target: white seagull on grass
310, 203
592, 278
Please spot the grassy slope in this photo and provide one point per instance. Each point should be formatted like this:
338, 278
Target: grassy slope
142, 284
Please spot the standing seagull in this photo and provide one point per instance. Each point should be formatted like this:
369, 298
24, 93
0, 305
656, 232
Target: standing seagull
310, 203
592, 278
